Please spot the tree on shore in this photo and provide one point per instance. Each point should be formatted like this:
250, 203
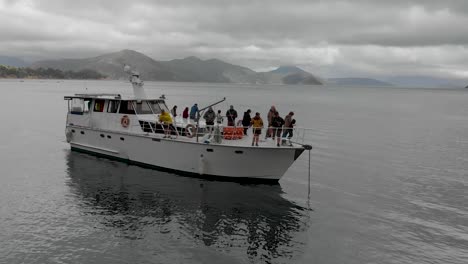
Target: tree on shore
47, 73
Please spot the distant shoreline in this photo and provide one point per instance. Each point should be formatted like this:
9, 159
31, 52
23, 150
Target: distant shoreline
39, 78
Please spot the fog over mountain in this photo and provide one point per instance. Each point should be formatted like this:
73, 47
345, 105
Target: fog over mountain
12, 61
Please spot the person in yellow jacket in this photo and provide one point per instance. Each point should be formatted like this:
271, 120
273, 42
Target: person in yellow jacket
257, 125
166, 121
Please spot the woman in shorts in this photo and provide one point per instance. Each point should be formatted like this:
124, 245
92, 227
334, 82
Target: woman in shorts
257, 125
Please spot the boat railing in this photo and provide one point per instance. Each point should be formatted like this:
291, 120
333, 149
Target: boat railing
217, 132
299, 135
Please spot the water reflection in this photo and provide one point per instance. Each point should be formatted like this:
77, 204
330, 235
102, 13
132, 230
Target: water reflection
252, 220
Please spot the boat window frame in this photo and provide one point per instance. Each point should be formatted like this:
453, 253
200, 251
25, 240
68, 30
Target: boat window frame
117, 107
76, 106
87, 104
163, 103
148, 111
126, 111
96, 107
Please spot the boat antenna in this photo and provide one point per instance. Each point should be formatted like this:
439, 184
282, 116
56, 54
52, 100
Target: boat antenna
137, 83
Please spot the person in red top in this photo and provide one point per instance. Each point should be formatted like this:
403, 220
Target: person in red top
185, 113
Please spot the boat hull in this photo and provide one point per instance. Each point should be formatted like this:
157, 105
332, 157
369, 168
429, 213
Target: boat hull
188, 158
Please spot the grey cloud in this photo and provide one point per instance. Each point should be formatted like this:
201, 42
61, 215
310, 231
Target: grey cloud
325, 36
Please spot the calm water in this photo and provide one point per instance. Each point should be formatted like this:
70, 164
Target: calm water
389, 183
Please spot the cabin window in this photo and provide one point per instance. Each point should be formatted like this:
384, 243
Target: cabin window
143, 108
126, 107
99, 105
112, 106
163, 105
87, 105
77, 106
157, 106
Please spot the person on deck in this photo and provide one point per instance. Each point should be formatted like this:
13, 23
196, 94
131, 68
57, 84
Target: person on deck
194, 111
185, 114
219, 118
166, 121
277, 125
288, 126
246, 120
271, 114
209, 117
174, 111
257, 125
231, 115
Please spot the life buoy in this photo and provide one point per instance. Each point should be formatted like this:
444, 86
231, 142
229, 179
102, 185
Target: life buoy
125, 121
189, 131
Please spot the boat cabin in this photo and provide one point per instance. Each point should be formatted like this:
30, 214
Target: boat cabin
112, 112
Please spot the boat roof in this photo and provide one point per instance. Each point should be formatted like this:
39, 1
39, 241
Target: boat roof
109, 96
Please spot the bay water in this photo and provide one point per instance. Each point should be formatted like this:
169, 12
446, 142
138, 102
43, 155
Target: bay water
389, 182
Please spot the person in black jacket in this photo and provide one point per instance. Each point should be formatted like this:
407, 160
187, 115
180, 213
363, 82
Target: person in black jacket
246, 121
277, 124
231, 115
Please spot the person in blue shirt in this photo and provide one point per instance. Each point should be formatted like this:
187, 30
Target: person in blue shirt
194, 111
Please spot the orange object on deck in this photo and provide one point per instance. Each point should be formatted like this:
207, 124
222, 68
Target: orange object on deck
233, 133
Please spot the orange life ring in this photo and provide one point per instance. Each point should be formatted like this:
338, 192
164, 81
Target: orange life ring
125, 121
189, 131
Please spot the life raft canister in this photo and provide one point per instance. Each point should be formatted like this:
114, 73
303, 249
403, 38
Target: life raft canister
125, 121
233, 133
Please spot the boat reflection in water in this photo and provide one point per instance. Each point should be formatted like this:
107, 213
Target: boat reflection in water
242, 222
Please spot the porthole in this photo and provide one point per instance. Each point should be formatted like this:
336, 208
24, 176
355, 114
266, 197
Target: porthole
122, 138
209, 150
239, 151
102, 135
73, 130
108, 136
82, 132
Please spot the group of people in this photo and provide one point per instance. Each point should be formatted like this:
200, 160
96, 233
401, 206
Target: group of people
277, 126
210, 116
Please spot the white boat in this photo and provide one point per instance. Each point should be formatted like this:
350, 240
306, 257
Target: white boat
127, 129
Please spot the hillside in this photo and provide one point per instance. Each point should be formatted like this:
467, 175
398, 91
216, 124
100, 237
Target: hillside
112, 65
290, 75
12, 61
193, 69
190, 69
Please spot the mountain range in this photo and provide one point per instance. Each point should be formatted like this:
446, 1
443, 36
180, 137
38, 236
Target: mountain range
190, 69
193, 69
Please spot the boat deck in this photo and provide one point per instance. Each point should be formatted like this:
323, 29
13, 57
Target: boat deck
245, 141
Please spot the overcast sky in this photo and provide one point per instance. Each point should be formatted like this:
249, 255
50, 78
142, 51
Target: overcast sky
328, 38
